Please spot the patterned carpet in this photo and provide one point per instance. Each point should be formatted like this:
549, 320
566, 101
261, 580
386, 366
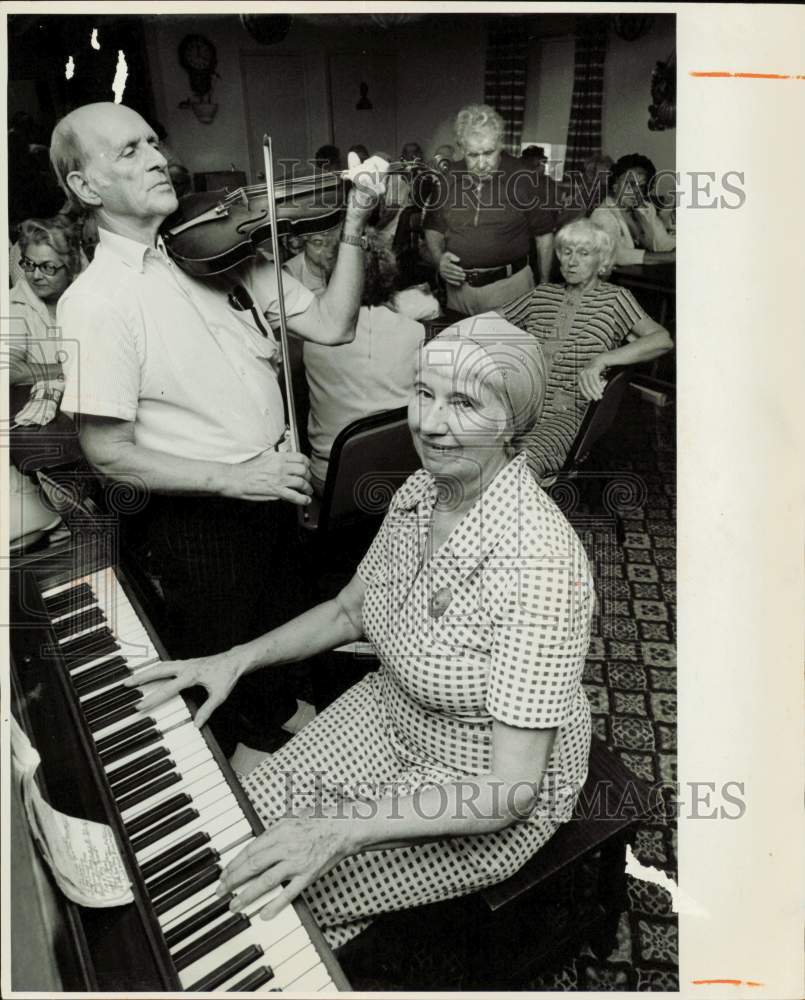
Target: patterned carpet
630, 680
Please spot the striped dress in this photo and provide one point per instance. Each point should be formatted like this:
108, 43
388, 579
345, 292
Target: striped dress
571, 335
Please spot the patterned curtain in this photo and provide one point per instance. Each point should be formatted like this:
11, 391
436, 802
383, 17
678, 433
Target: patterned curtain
505, 77
584, 127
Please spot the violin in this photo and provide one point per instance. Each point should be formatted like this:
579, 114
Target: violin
214, 231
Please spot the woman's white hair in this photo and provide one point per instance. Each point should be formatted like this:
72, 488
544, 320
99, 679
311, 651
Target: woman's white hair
602, 242
476, 117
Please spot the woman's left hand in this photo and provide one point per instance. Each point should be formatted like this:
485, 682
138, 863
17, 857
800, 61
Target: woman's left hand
297, 850
591, 381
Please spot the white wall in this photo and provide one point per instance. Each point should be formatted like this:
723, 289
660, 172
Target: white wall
438, 70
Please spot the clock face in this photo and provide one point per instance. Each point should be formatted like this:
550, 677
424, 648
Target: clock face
197, 53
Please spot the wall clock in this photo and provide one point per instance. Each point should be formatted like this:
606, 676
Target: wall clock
198, 57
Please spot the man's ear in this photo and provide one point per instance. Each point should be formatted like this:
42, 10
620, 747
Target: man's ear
83, 189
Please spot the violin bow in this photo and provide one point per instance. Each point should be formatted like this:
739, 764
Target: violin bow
268, 159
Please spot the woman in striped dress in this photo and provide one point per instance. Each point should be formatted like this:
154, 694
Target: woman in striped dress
584, 326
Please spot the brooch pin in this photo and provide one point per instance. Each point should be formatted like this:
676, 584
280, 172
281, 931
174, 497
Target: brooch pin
440, 602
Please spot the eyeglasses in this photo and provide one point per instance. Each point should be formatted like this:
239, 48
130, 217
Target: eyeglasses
47, 268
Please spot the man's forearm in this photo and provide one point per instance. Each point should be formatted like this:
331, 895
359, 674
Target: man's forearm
157, 472
434, 241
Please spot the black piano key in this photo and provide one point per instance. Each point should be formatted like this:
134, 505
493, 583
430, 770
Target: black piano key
105, 648
159, 812
119, 736
85, 619
130, 747
142, 778
135, 798
114, 698
254, 980
181, 873
164, 829
100, 670
69, 600
100, 720
197, 920
229, 968
167, 902
145, 760
213, 939
78, 647
174, 854
118, 674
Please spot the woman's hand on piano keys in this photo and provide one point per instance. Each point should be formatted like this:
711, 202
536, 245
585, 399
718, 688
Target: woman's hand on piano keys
296, 850
216, 674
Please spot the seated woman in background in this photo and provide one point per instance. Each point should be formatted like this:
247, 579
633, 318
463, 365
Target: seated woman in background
630, 218
50, 259
447, 768
372, 373
582, 326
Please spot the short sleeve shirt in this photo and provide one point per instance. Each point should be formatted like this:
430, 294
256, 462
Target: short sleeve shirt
495, 625
490, 222
146, 343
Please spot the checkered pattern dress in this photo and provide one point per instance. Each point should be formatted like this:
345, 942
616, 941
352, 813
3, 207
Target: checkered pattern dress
495, 625
570, 337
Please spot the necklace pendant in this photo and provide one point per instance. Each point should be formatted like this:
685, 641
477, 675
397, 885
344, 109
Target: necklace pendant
440, 601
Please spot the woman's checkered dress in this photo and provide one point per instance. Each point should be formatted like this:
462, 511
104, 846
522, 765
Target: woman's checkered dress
494, 626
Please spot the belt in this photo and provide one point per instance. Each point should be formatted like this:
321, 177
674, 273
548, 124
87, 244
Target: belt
477, 277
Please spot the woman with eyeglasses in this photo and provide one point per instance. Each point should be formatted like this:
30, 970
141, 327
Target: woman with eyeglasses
584, 326
50, 260
630, 218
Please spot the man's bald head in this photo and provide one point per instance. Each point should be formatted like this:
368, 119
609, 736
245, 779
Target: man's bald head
66, 150
106, 158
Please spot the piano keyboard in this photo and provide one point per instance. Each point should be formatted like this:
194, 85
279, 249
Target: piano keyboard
181, 817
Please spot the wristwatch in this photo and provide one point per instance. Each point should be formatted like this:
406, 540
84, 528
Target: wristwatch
361, 241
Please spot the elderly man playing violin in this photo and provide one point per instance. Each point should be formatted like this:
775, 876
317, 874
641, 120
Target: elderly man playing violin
178, 393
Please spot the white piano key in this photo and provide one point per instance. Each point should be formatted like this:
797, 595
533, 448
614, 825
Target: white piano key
204, 778
265, 932
132, 667
291, 974
182, 910
284, 949
180, 742
163, 716
312, 981
220, 815
99, 627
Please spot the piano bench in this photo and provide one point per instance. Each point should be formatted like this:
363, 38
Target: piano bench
572, 892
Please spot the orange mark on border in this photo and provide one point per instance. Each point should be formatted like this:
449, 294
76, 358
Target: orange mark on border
722, 74
727, 982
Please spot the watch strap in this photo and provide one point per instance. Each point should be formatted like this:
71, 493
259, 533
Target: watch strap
355, 241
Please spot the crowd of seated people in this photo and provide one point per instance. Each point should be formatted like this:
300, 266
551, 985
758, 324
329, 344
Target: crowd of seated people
494, 402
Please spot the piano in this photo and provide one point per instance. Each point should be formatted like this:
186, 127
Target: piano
177, 810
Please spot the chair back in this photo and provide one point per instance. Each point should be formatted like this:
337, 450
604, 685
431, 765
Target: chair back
370, 459
598, 419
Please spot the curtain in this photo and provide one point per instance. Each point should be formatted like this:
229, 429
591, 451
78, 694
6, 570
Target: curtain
505, 76
584, 127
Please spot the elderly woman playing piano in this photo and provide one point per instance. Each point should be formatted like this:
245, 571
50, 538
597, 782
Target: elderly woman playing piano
447, 768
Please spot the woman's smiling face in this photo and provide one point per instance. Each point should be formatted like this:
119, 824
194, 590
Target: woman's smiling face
458, 423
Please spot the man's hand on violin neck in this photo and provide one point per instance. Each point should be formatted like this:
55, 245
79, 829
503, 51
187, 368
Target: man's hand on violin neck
368, 187
271, 475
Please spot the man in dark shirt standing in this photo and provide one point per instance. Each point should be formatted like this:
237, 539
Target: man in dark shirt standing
479, 235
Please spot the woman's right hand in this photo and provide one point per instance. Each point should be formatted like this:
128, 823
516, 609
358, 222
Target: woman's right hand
216, 674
